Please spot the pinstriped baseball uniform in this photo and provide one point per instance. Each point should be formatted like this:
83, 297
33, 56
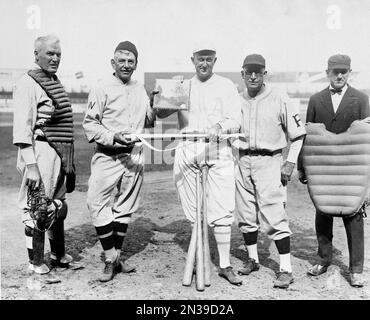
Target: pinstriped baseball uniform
213, 101
112, 107
268, 120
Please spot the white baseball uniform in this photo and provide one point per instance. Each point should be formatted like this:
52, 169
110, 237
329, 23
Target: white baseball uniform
213, 101
268, 120
32, 106
113, 107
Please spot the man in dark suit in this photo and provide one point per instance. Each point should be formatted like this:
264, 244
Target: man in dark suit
337, 106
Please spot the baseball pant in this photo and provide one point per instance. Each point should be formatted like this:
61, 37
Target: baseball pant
49, 164
189, 158
260, 196
123, 171
355, 238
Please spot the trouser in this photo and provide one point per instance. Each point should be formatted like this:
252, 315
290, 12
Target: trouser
53, 180
260, 196
124, 171
354, 227
189, 158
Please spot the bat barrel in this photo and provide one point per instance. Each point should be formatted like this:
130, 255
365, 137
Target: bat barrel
207, 257
190, 258
199, 252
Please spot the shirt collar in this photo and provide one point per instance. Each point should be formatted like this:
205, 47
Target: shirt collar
211, 79
130, 83
344, 89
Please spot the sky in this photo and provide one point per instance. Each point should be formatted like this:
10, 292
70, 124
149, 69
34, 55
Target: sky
293, 35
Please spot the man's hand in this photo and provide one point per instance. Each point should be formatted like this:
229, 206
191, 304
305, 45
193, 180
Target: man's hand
124, 138
286, 172
214, 132
302, 176
33, 177
151, 97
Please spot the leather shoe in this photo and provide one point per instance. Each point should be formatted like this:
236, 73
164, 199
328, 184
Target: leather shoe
283, 280
317, 270
66, 262
230, 276
110, 270
249, 266
357, 280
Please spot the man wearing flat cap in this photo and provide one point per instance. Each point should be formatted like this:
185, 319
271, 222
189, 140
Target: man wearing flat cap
269, 120
214, 109
337, 106
117, 107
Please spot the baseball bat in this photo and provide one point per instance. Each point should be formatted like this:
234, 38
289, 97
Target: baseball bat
199, 251
190, 258
183, 135
207, 257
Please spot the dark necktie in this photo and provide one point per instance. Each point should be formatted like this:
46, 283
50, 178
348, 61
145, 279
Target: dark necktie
334, 91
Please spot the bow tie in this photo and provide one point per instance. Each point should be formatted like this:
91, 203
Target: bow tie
334, 91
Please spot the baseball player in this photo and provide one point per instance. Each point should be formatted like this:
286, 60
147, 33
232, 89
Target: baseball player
268, 119
215, 108
337, 106
43, 132
117, 106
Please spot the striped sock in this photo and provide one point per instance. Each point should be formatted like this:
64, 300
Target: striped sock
105, 234
222, 235
119, 233
28, 231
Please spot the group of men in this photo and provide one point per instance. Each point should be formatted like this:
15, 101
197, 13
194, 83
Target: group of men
247, 177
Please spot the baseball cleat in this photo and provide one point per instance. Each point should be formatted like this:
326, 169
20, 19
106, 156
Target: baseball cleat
249, 266
317, 270
283, 280
110, 270
43, 269
66, 262
230, 276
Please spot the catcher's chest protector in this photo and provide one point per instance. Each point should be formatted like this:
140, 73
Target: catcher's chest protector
338, 167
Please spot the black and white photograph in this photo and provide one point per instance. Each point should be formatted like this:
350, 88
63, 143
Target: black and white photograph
207, 151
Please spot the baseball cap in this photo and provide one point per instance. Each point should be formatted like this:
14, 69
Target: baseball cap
204, 46
127, 45
339, 61
254, 59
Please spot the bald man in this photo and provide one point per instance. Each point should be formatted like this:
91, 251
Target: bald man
43, 133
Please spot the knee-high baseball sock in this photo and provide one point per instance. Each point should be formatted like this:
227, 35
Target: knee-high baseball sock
222, 235
119, 233
283, 246
28, 231
250, 240
105, 234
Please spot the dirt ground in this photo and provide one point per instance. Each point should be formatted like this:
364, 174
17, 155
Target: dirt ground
156, 243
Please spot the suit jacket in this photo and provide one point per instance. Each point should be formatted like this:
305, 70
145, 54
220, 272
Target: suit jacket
354, 106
